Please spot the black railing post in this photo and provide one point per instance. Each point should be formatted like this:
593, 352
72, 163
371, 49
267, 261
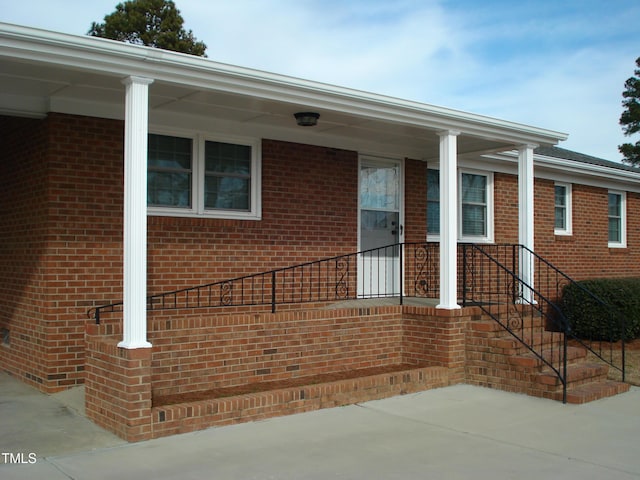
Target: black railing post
564, 368
464, 275
273, 292
622, 345
515, 288
401, 245
97, 316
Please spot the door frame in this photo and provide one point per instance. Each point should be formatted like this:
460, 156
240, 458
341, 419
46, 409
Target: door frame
374, 160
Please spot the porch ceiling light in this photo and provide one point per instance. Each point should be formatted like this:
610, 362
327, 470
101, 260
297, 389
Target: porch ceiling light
307, 119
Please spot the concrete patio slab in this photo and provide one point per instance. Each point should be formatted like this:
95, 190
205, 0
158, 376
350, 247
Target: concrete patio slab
459, 432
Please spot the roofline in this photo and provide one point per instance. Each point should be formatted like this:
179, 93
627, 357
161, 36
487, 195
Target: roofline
122, 60
555, 168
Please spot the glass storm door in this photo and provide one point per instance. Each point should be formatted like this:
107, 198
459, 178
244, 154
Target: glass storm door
380, 228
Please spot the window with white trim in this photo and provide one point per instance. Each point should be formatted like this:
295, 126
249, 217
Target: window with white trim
169, 171
617, 219
433, 202
202, 176
475, 206
562, 209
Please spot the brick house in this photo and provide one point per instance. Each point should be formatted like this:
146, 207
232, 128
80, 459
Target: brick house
129, 172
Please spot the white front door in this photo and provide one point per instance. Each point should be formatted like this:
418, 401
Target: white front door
380, 219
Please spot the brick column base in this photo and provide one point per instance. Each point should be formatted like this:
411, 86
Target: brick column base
118, 386
434, 336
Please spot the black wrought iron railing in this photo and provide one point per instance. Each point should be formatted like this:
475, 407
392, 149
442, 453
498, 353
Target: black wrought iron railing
492, 280
404, 269
490, 276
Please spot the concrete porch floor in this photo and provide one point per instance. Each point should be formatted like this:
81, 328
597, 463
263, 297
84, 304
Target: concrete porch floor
384, 301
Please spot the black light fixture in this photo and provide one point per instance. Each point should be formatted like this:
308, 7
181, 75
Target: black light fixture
307, 119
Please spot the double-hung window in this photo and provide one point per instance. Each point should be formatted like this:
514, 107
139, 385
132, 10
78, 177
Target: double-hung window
199, 176
562, 209
617, 220
475, 206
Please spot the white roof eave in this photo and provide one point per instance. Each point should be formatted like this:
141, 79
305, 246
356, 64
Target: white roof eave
114, 58
572, 171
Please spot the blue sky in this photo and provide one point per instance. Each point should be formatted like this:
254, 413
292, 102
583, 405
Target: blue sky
557, 64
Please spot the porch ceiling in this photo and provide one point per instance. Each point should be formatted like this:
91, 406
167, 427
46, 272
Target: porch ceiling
45, 71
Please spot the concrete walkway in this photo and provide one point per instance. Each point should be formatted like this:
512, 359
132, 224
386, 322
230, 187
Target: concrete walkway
459, 432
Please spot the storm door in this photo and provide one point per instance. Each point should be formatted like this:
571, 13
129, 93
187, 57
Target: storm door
380, 227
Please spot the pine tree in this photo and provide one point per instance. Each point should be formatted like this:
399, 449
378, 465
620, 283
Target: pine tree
630, 118
155, 23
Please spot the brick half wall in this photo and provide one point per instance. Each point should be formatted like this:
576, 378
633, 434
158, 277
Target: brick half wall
195, 352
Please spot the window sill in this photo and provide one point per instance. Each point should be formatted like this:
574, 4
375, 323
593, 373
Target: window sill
482, 241
209, 215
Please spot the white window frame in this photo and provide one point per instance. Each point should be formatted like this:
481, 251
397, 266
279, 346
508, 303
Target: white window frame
431, 237
568, 227
197, 208
489, 237
623, 219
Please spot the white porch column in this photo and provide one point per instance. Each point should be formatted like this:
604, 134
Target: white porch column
136, 129
448, 220
525, 216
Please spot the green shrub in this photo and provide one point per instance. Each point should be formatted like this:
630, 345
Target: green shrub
591, 320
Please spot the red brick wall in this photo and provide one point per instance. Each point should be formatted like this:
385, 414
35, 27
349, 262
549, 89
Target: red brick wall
196, 352
23, 220
415, 201
309, 211
586, 253
505, 194
62, 233
61, 220
62, 240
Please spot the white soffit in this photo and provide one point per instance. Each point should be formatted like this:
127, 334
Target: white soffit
38, 63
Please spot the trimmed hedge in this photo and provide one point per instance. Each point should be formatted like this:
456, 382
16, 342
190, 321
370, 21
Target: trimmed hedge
591, 320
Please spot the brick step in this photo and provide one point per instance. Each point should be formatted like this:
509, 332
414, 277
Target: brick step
489, 325
505, 362
595, 391
509, 342
577, 374
529, 360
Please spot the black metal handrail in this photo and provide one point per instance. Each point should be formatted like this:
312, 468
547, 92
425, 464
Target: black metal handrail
492, 280
555, 281
397, 270
499, 292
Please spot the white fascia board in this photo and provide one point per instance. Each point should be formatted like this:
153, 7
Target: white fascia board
596, 175
570, 171
119, 59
